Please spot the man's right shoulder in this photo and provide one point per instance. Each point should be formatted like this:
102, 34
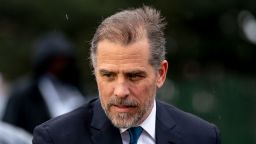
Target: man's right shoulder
74, 124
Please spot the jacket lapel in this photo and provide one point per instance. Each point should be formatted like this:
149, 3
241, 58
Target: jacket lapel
102, 130
165, 126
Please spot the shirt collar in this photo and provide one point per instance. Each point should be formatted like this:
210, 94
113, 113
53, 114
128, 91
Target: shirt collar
148, 124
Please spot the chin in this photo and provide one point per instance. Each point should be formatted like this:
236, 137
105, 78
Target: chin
125, 120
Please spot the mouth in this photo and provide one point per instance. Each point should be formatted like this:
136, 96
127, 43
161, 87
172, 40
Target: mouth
123, 108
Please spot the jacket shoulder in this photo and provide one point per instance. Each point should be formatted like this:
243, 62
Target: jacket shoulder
190, 126
72, 127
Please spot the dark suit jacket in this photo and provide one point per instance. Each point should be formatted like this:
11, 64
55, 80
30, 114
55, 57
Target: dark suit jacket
89, 125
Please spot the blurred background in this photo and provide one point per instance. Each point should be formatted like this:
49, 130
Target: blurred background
211, 49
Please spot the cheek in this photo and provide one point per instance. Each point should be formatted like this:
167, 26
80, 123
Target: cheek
144, 92
105, 90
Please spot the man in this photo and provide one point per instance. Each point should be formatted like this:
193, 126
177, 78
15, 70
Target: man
128, 57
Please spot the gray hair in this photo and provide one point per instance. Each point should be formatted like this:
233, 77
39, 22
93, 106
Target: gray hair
129, 26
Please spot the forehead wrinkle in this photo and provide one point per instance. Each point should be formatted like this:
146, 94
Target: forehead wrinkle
122, 63
121, 57
110, 51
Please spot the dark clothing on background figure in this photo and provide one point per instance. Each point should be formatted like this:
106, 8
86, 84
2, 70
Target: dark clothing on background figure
26, 107
31, 104
89, 125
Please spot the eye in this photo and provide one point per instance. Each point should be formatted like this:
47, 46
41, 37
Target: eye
135, 76
107, 75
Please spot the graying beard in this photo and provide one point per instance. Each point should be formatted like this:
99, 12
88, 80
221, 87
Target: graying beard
125, 120
119, 120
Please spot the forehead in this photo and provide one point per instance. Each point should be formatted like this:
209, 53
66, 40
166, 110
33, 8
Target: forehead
116, 54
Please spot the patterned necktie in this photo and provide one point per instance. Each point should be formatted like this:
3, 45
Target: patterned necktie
134, 133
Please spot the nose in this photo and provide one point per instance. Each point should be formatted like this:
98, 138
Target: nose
121, 90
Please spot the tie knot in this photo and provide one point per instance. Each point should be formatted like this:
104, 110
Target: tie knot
134, 133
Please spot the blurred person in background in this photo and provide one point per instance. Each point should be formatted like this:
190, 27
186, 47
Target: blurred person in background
52, 90
10, 134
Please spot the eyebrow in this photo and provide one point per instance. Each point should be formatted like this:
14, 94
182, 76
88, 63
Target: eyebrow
136, 72
127, 72
102, 71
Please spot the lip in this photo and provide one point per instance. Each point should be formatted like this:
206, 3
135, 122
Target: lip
123, 108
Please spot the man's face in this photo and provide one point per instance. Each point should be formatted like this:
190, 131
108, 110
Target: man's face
126, 81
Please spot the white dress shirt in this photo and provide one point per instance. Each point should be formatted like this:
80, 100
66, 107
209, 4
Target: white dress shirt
148, 135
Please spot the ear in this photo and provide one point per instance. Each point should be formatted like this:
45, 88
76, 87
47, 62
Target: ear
161, 74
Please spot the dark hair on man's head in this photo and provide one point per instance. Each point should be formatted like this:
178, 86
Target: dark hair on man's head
129, 26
